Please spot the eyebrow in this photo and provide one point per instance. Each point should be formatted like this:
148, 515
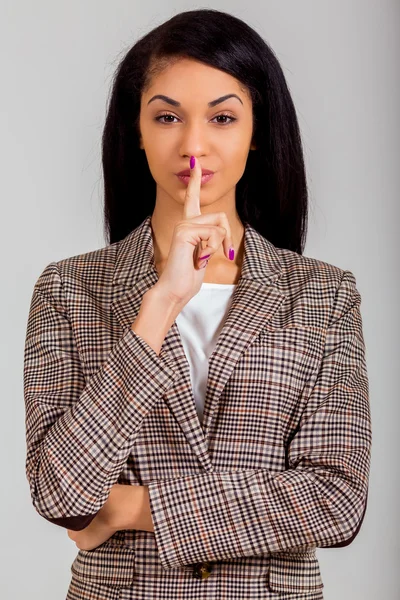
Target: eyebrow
176, 103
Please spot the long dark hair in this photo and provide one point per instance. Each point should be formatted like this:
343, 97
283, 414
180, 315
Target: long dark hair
272, 193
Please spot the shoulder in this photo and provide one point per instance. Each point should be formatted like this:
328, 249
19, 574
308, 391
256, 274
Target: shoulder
299, 271
100, 262
318, 290
81, 271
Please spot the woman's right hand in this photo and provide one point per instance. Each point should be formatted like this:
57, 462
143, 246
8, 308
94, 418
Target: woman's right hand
182, 276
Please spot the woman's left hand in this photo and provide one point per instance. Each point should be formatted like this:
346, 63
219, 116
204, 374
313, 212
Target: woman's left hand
103, 526
97, 532
127, 507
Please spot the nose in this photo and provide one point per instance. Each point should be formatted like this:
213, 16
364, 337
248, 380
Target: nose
194, 141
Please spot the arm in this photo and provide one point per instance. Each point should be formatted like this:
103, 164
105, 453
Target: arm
79, 434
318, 501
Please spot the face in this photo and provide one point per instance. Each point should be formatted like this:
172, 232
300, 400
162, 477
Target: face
183, 123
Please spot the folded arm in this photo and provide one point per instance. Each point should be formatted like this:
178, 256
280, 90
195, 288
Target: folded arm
319, 500
79, 434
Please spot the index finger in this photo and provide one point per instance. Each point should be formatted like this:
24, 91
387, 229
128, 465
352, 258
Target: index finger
191, 207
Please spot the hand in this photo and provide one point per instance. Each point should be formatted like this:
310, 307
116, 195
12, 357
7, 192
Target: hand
127, 507
97, 532
105, 523
182, 277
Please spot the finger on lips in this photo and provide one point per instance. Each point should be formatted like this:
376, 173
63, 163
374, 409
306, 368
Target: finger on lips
192, 210
193, 195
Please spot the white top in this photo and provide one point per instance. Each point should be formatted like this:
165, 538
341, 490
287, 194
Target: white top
199, 324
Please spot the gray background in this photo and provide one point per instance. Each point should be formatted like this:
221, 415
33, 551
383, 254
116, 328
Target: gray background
341, 60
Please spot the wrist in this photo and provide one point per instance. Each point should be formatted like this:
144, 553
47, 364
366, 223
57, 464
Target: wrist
123, 508
157, 313
159, 295
132, 508
144, 520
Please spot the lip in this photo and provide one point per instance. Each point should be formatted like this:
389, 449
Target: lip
186, 172
204, 178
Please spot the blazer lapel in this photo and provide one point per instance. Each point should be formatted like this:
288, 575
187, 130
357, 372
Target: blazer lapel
254, 302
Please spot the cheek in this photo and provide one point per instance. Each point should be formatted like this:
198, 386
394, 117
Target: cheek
235, 163
158, 157
157, 172
238, 148
157, 142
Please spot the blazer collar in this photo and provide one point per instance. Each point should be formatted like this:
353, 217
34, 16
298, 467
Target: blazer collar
255, 300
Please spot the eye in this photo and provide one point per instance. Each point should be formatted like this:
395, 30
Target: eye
226, 116
232, 119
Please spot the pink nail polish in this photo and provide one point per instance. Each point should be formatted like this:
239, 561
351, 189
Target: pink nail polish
192, 162
231, 253
204, 257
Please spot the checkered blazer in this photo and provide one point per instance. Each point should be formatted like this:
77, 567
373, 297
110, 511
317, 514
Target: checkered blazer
280, 465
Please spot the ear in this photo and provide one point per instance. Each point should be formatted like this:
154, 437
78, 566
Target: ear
253, 145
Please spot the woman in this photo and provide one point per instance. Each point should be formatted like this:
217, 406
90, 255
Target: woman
196, 391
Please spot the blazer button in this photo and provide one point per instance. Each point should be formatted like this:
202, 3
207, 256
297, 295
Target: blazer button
202, 570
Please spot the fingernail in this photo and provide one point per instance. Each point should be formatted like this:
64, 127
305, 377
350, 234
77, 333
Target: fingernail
192, 162
202, 265
231, 253
206, 256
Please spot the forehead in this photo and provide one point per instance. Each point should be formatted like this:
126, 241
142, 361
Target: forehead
180, 76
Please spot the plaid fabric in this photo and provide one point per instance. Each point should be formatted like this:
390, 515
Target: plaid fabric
280, 464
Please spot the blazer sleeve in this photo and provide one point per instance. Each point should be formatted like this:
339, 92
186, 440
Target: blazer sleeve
318, 501
79, 433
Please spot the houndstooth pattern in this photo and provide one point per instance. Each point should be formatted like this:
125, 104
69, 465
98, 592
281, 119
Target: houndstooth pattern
280, 464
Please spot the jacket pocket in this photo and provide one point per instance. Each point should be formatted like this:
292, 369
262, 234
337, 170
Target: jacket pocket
294, 572
108, 564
